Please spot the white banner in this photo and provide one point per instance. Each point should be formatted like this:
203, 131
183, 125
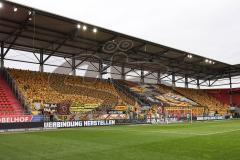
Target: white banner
70, 124
16, 119
210, 118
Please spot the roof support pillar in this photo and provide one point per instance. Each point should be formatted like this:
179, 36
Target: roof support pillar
123, 77
186, 81
2, 55
173, 80
41, 62
230, 85
73, 66
100, 70
198, 84
230, 81
159, 78
142, 76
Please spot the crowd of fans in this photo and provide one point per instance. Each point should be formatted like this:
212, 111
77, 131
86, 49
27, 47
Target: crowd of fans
201, 97
179, 98
88, 94
47, 88
173, 98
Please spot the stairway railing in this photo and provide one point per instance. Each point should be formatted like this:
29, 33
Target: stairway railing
18, 94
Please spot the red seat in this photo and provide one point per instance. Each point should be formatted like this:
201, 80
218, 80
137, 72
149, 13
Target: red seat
9, 105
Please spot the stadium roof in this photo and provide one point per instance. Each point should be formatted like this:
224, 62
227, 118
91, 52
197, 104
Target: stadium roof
33, 30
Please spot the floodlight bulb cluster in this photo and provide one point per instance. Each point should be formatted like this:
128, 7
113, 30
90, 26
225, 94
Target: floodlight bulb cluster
15, 9
94, 30
209, 61
189, 56
85, 27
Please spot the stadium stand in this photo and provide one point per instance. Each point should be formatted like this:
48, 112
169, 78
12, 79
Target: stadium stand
126, 88
224, 95
173, 98
9, 105
158, 94
175, 104
83, 94
178, 98
200, 96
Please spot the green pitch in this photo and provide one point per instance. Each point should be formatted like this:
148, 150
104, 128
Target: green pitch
199, 141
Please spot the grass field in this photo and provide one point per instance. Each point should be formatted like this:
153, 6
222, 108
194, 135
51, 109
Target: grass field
199, 141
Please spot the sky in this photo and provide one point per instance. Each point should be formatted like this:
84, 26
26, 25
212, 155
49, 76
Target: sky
209, 28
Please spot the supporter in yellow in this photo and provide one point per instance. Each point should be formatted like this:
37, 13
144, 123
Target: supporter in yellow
201, 97
56, 88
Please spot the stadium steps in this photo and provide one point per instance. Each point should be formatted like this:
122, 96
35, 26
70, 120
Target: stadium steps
9, 105
122, 88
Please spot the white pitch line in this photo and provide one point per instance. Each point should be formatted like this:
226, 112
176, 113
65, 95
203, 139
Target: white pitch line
170, 132
228, 131
139, 131
198, 134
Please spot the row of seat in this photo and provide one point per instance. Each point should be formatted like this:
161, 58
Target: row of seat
9, 105
7, 113
201, 96
46, 88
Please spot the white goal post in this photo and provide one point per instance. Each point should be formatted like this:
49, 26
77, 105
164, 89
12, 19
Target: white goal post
181, 109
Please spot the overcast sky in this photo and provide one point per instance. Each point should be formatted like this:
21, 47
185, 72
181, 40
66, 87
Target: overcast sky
209, 28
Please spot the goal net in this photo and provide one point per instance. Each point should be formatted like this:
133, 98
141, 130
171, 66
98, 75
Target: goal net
173, 114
